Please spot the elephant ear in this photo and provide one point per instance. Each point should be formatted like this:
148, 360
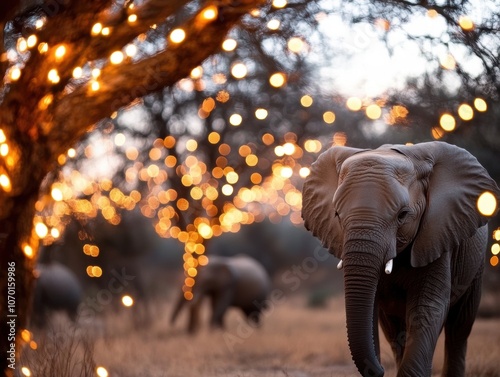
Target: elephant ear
317, 196
454, 180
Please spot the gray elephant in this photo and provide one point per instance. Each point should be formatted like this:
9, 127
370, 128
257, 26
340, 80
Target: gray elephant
239, 282
404, 222
56, 289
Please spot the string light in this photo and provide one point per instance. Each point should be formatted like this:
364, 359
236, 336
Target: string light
14, 73
60, 52
210, 13
53, 76
116, 57
177, 35
132, 18
96, 29
447, 122
31, 41
77, 72
130, 50
229, 44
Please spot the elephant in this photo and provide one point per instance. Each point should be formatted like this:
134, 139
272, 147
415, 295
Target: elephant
403, 221
238, 281
56, 289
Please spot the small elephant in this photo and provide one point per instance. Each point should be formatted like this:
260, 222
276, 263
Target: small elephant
404, 223
56, 289
238, 281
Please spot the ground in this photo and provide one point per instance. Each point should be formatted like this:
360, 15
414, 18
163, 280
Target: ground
293, 341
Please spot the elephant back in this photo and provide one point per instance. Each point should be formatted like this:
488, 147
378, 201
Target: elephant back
251, 280
58, 288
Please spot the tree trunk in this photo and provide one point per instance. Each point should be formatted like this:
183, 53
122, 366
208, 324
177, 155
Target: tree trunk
16, 279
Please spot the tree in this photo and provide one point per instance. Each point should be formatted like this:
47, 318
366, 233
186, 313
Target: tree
50, 98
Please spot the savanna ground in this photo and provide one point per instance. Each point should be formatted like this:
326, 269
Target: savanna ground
293, 341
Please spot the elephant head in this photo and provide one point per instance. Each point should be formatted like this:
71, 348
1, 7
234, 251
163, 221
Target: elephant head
367, 206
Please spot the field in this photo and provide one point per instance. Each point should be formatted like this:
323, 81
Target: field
293, 341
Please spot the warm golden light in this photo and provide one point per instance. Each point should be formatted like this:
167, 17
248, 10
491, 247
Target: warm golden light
495, 249
60, 52
116, 57
448, 62
229, 44
14, 73
306, 100
132, 18
77, 72
39, 23
56, 194
26, 372
432, 13
105, 31
96, 29
354, 103
273, 24
239, 70
480, 104
5, 183
31, 41
28, 251
329, 117
101, 372
304, 172
95, 86
235, 119
130, 50
177, 35
127, 301
96, 72
487, 204
196, 73
210, 13
447, 122
295, 44
373, 111
43, 48
53, 76
279, 3
22, 45
466, 23
227, 189
465, 112
261, 114
41, 230
277, 79
494, 260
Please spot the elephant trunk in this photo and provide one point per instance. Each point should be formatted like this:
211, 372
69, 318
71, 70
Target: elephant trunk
361, 275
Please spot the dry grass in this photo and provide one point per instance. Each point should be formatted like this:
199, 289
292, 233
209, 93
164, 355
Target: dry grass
293, 341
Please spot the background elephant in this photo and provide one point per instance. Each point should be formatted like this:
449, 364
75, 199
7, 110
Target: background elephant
238, 281
411, 211
56, 289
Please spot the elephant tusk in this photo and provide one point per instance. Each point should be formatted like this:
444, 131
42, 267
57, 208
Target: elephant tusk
388, 267
339, 266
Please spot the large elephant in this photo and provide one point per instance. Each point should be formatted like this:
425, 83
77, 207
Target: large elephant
238, 281
56, 289
404, 222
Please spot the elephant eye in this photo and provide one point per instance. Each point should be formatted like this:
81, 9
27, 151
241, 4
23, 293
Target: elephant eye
403, 215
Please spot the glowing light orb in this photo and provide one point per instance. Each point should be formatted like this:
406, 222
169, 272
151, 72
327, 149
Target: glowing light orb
329, 117
229, 44
239, 70
495, 249
354, 103
480, 104
447, 122
465, 112
277, 79
261, 114
77, 72
373, 111
127, 301
273, 24
116, 57
177, 35
102, 372
306, 100
466, 23
487, 204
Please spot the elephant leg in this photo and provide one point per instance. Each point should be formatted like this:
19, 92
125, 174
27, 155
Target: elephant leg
194, 317
458, 327
220, 303
426, 310
394, 328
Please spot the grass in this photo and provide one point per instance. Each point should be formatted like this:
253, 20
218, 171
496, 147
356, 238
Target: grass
293, 341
